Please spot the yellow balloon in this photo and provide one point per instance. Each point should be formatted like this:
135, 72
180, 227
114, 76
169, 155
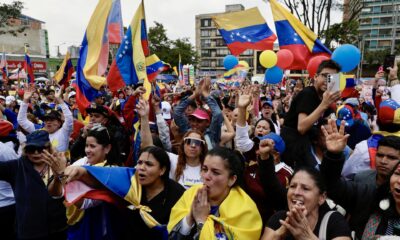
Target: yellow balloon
243, 64
268, 58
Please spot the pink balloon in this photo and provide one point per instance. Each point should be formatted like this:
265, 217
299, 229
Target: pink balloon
314, 63
285, 58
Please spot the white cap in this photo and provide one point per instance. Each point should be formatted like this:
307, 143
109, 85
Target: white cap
166, 110
71, 94
2, 97
10, 99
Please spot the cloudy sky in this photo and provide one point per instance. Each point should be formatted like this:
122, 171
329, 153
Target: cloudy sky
66, 20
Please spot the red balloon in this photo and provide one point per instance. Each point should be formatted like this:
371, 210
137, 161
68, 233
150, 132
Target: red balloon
285, 58
314, 63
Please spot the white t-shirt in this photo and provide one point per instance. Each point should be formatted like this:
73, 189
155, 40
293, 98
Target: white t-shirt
190, 175
6, 192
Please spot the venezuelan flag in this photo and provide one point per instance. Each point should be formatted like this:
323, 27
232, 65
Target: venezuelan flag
245, 30
153, 67
3, 66
64, 74
296, 37
29, 69
93, 55
119, 181
115, 27
129, 65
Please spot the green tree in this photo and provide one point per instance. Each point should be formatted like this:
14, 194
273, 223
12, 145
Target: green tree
375, 57
7, 13
168, 50
345, 32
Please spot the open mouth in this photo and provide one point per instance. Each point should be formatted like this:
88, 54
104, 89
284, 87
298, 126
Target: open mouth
297, 202
397, 190
142, 176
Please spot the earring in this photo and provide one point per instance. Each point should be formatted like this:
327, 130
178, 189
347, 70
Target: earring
384, 204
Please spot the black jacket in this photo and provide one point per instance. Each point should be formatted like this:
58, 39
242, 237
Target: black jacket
357, 198
37, 214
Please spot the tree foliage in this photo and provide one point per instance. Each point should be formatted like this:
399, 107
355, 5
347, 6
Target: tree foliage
342, 33
7, 13
316, 15
168, 50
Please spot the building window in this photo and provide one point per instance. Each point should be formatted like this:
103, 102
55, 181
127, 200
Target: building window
375, 21
248, 52
373, 43
222, 52
220, 42
205, 43
205, 33
206, 22
205, 53
374, 32
205, 63
376, 9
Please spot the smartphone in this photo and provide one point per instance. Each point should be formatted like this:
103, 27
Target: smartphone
388, 62
333, 82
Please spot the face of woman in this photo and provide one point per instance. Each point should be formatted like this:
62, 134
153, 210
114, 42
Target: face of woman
262, 128
95, 152
216, 177
149, 169
395, 185
34, 154
52, 125
192, 150
304, 192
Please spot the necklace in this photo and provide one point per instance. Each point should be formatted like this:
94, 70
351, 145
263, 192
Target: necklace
42, 172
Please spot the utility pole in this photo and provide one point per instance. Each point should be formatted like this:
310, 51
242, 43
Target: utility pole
394, 31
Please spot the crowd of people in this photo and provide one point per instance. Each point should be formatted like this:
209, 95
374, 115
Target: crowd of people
203, 162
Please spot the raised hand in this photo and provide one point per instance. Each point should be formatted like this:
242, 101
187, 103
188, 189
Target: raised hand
329, 97
244, 98
297, 224
265, 148
143, 108
205, 90
28, 92
336, 140
139, 91
74, 173
393, 71
58, 94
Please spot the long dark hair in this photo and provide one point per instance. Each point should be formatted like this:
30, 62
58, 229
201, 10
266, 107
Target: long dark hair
182, 156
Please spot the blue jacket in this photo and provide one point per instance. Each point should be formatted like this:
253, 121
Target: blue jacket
213, 132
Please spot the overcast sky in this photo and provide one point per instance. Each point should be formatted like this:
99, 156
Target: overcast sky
66, 20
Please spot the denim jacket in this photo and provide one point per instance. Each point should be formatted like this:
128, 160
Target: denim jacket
213, 132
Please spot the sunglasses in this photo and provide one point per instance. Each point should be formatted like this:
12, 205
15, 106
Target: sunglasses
193, 142
33, 149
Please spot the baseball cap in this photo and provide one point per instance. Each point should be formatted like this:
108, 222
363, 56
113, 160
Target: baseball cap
37, 138
166, 110
10, 99
200, 114
267, 102
3, 98
352, 101
389, 112
345, 113
280, 145
5, 127
97, 108
71, 94
51, 114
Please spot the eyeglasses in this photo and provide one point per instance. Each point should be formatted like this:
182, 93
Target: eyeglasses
33, 149
193, 141
325, 75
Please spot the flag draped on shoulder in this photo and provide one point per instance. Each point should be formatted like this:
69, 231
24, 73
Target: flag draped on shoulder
119, 181
93, 57
29, 69
296, 37
4, 66
245, 30
64, 73
129, 65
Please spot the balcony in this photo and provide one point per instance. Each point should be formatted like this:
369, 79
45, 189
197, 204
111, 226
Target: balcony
380, 36
381, 14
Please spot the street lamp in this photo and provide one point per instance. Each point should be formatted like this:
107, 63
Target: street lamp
58, 48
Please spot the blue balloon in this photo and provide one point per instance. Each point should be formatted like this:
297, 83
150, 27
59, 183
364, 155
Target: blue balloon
273, 75
230, 62
347, 56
